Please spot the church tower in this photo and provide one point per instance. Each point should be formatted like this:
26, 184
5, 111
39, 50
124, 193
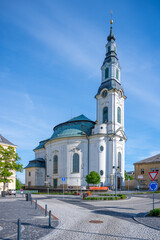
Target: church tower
108, 131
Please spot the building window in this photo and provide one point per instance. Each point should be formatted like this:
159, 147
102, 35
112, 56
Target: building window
142, 170
117, 74
75, 163
157, 169
152, 169
55, 164
119, 115
119, 161
101, 148
109, 49
106, 73
29, 174
105, 114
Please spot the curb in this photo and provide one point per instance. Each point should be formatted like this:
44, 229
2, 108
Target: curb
135, 219
47, 211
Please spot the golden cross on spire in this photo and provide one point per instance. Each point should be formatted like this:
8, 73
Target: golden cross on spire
111, 22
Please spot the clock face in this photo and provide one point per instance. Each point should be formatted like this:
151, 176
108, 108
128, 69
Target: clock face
104, 93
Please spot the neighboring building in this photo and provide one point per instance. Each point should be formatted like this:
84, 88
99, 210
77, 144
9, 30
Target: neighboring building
81, 145
142, 168
5, 143
130, 173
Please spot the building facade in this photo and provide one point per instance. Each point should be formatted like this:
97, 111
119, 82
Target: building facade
151, 164
81, 145
5, 143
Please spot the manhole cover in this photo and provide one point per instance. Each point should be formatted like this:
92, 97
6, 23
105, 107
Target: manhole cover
96, 221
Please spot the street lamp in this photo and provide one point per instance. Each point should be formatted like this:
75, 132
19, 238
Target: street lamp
115, 167
116, 170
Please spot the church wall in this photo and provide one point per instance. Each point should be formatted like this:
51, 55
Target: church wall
40, 153
39, 176
98, 156
65, 149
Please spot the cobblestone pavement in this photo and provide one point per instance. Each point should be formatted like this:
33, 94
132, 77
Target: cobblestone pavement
116, 216
34, 223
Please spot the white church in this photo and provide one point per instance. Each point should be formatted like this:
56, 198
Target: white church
81, 145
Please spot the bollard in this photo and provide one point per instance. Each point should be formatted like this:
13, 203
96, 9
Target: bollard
19, 229
36, 204
50, 218
31, 200
46, 210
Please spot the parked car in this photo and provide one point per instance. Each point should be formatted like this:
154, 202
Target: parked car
11, 191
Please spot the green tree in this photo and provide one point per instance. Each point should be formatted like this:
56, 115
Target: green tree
9, 162
18, 184
93, 178
127, 176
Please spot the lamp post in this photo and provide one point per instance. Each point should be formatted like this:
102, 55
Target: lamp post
115, 167
116, 170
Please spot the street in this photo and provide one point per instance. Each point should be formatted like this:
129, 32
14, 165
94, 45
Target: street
116, 218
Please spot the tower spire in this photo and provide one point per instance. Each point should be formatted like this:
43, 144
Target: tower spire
111, 35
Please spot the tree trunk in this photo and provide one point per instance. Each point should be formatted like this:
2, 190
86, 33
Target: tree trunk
4, 186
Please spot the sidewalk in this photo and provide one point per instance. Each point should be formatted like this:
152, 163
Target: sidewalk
33, 222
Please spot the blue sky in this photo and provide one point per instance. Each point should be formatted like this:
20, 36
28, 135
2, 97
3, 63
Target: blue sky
51, 54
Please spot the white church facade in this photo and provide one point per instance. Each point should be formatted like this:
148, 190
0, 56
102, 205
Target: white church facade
80, 145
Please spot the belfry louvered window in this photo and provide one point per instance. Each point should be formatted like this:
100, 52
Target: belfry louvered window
75, 163
105, 114
117, 74
55, 164
106, 73
118, 115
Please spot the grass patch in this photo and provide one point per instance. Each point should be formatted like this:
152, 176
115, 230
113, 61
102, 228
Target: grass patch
112, 196
107, 197
146, 192
155, 212
55, 193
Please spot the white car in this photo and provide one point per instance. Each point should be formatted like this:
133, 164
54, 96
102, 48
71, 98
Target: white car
12, 192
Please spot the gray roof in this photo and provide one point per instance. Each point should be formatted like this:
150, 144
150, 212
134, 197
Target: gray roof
153, 159
38, 162
110, 84
75, 127
5, 141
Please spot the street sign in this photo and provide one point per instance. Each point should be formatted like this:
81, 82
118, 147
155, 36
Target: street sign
153, 186
153, 175
140, 176
63, 179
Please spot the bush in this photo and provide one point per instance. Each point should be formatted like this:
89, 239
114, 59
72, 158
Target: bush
155, 212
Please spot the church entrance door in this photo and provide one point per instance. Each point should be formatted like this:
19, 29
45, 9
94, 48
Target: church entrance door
55, 182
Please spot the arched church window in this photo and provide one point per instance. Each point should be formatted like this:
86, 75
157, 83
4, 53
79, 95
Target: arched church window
117, 73
55, 164
75, 163
106, 73
105, 114
119, 161
118, 115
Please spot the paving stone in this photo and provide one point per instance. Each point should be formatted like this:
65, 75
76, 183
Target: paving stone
34, 223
